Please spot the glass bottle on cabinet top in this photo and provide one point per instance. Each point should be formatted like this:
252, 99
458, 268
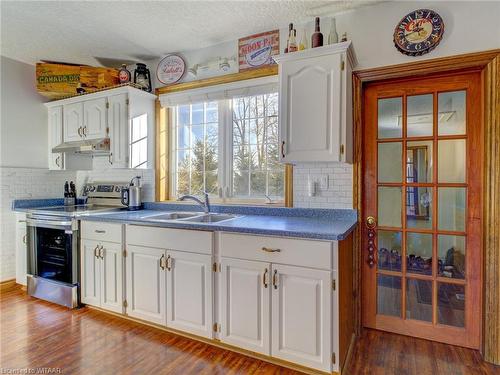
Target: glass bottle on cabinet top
317, 37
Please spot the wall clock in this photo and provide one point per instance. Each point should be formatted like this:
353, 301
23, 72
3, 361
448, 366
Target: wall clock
419, 32
170, 69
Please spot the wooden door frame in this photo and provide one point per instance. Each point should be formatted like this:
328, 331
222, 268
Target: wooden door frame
489, 64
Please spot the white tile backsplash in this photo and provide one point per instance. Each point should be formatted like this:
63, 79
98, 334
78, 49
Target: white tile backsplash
339, 191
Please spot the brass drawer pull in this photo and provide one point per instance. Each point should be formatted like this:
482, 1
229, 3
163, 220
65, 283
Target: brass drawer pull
101, 252
162, 266
96, 253
264, 278
269, 250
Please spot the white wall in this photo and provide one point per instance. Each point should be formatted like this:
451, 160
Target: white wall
23, 125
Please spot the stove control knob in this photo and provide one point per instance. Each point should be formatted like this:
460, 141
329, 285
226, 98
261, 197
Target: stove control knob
117, 189
92, 188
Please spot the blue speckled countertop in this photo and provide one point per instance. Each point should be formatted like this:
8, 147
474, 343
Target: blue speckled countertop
325, 224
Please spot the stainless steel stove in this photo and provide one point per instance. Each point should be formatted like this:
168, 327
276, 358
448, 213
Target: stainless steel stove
53, 243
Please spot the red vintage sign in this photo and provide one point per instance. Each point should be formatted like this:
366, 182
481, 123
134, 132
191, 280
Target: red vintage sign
256, 50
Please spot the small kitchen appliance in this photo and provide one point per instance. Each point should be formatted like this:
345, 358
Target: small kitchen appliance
131, 195
53, 252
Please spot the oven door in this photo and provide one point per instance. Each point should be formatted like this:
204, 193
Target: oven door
53, 249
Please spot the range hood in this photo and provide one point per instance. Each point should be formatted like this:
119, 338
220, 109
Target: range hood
88, 146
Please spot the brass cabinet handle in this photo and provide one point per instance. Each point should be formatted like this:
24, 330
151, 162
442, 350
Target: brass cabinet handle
283, 149
275, 279
84, 131
110, 158
162, 266
264, 278
101, 252
169, 263
80, 131
100, 231
96, 253
57, 161
24, 239
270, 250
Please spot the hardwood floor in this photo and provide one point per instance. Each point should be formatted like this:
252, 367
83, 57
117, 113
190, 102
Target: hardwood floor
37, 334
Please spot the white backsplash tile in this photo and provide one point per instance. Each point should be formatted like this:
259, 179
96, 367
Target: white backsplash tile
339, 191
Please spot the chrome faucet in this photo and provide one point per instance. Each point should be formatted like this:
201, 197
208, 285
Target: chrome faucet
205, 205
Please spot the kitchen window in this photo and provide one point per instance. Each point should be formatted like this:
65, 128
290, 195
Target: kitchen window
228, 148
139, 142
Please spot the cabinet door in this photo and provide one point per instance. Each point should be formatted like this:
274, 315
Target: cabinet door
111, 276
145, 276
245, 304
189, 292
55, 137
95, 118
73, 122
310, 105
90, 273
301, 316
21, 249
118, 130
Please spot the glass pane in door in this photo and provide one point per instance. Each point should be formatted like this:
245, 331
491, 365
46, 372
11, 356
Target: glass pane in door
451, 160
451, 116
419, 116
389, 295
389, 207
451, 255
451, 304
419, 253
419, 207
389, 250
390, 162
390, 114
419, 161
419, 299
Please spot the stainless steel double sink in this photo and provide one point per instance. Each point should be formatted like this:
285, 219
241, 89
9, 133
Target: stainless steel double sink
191, 217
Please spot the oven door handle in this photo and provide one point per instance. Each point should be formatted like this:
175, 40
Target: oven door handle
55, 224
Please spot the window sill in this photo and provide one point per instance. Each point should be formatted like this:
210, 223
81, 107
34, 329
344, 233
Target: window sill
231, 203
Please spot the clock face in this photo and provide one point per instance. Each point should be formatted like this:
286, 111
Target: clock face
419, 32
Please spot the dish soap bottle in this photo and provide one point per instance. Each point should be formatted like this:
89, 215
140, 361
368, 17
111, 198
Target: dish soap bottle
303, 41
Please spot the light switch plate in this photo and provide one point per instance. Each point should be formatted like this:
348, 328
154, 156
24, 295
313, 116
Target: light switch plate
323, 182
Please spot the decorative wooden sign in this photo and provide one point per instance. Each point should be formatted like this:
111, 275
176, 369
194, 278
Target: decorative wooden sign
257, 50
171, 69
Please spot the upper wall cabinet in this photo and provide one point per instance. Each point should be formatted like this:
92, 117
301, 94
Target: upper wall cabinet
125, 115
315, 112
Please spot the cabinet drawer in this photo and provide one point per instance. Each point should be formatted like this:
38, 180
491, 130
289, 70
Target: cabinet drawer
101, 231
172, 239
306, 253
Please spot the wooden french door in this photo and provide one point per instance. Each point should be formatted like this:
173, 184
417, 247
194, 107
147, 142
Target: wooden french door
422, 203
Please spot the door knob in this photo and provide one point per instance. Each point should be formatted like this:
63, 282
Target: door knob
371, 222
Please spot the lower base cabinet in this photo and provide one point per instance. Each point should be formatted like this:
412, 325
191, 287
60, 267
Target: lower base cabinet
246, 304
146, 279
301, 321
102, 274
21, 249
189, 292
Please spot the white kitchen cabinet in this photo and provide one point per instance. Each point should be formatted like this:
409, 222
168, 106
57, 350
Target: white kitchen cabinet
189, 292
146, 283
90, 273
302, 316
102, 274
73, 122
55, 114
118, 122
95, 118
246, 304
21, 249
100, 115
315, 113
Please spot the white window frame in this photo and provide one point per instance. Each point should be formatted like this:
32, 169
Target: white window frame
225, 146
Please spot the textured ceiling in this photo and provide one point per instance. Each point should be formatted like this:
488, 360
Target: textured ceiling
80, 31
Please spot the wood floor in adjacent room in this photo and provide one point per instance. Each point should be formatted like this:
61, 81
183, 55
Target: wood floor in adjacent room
37, 334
